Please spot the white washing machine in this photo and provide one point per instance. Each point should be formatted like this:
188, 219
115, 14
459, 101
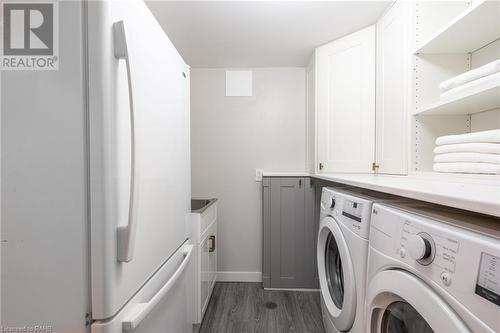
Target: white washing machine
342, 252
432, 270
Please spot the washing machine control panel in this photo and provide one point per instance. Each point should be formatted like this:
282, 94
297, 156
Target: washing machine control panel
426, 247
353, 212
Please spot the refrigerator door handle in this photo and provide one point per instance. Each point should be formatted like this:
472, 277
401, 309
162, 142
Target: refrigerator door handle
140, 310
126, 234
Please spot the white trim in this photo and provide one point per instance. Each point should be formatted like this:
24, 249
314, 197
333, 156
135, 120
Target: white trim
239, 276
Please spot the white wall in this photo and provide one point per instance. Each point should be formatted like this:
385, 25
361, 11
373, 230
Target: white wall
230, 137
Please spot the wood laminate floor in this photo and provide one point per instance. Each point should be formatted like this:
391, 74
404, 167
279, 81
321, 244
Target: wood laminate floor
242, 307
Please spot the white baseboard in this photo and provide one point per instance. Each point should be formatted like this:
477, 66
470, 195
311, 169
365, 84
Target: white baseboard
239, 276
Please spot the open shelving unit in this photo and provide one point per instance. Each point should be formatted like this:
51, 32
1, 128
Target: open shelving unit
479, 99
474, 28
450, 39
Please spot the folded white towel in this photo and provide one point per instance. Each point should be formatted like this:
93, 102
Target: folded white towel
467, 157
477, 73
484, 168
472, 86
481, 147
492, 136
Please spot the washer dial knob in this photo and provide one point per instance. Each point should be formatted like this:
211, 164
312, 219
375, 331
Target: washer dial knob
332, 205
421, 248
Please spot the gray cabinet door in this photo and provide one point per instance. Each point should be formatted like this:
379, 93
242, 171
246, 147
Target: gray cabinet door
289, 233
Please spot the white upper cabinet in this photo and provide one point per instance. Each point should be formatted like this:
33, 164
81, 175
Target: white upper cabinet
393, 75
346, 103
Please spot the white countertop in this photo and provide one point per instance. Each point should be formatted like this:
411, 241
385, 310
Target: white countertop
285, 174
477, 193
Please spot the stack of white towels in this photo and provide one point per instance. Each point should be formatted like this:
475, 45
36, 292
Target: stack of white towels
468, 81
477, 152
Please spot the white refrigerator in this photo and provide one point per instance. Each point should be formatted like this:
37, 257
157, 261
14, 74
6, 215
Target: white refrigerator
96, 179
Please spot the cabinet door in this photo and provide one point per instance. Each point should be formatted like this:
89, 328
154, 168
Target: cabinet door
212, 257
393, 85
287, 233
204, 273
346, 103
207, 266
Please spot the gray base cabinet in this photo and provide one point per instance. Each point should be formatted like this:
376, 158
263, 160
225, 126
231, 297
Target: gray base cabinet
290, 229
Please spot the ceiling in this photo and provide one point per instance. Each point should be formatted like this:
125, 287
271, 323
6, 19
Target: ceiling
215, 34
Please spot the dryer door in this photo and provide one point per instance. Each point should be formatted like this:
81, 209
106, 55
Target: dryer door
336, 275
398, 301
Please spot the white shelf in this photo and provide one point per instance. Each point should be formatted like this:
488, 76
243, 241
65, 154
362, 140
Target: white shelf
478, 26
477, 193
481, 98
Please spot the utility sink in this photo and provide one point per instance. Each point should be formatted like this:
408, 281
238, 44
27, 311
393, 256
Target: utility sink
200, 205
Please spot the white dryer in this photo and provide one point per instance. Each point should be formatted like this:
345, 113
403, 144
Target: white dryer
432, 270
342, 251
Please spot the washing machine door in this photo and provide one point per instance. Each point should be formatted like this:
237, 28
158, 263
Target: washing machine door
398, 301
336, 274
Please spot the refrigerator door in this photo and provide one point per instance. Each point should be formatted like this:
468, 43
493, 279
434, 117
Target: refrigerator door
139, 150
164, 304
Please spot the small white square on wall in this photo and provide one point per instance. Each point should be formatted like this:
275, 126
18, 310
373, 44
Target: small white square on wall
238, 83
